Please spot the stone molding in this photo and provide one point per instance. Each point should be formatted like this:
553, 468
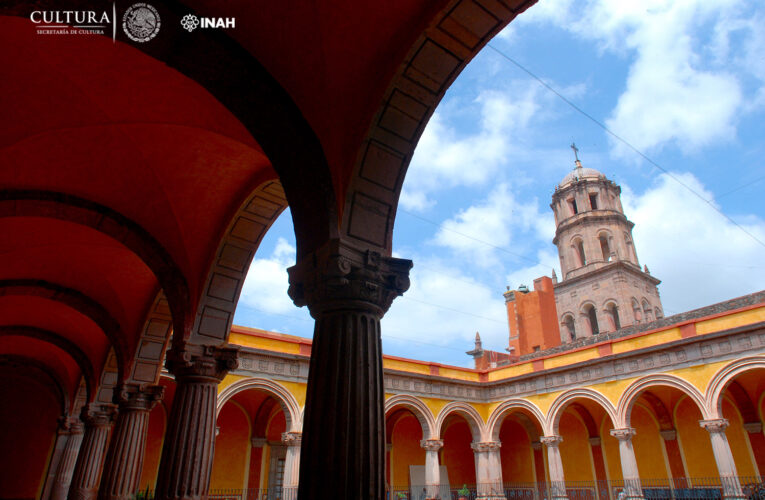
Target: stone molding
98, 414
551, 441
594, 441
484, 446
292, 438
753, 427
206, 362
623, 434
258, 442
138, 397
717, 425
68, 425
668, 434
432, 444
339, 276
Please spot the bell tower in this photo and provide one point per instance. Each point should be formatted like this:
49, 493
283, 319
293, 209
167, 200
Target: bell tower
602, 287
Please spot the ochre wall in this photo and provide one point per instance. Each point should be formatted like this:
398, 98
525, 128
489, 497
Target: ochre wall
28, 413
694, 441
575, 449
648, 445
457, 455
232, 448
738, 441
406, 450
516, 453
154, 438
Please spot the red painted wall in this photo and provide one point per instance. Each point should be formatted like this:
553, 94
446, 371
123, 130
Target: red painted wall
232, 447
27, 435
406, 451
533, 318
457, 455
516, 453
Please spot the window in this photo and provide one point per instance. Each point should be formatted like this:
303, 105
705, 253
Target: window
594, 201
647, 311
659, 314
572, 206
592, 316
536, 348
636, 311
579, 245
604, 248
613, 315
568, 322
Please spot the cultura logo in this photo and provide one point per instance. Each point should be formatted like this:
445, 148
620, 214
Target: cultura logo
190, 22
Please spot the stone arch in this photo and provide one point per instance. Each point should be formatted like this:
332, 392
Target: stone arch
714, 395
637, 311
606, 243
496, 418
630, 395
65, 345
647, 310
80, 303
589, 312
69, 208
564, 399
611, 310
577, 249
568, 319
418, 408
237, 247
471, 415
287, 401
21, 363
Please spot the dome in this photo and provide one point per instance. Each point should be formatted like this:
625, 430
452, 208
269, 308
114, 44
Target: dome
580, 173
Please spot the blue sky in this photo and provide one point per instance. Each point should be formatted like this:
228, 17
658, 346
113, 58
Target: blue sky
682, 81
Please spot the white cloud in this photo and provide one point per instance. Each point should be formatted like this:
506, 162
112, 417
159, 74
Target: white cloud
265, 287
548, 260
700, 256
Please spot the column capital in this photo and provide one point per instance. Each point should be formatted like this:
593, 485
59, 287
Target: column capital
536, 445
594, 441
551, 441
668, 434
98, 414
623, 434
292, 438
68, 425
134, 396
486, 446
204, 362
715, 426
258, 442
432, 444
338, 276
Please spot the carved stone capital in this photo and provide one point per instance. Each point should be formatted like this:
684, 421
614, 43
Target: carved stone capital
594, 441
715, 426
753, 427
668, 434
339, 276
623, 434
206, 363
432, 444
138, 397
551, 441
292, 438
536, 445
98, 414
258, 442
68, 425
486, 446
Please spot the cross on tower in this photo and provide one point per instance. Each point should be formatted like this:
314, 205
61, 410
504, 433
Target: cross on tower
576, 151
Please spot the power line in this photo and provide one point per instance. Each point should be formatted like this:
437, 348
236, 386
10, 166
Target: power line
623, 141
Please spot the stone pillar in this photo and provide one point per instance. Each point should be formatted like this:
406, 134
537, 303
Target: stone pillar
555, 465
632, 488
432, 467
488, 470
757, 441
723, 456
124, 462
347, 291
98, 419
72, 428
291, 465
186, 463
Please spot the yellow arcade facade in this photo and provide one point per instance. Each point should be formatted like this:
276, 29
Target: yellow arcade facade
676, 404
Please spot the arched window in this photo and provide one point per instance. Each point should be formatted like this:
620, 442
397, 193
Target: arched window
630, 248
604, 247
636, 311
659, 314
613, 315
592, 316
579, 250
568, 322
647, 311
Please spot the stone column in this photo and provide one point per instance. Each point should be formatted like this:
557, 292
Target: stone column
488, 470
124, 462
555, 465
632, 488
723, 456
291, 464
72, 428
347, 291
432, 467
98, 419
186, 463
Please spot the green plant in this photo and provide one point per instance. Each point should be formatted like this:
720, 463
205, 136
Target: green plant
401, 496
464, 491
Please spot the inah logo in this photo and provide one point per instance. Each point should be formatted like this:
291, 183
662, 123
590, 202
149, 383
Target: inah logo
141, 22
189, 22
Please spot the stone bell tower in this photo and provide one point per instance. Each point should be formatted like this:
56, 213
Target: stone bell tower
602, 286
